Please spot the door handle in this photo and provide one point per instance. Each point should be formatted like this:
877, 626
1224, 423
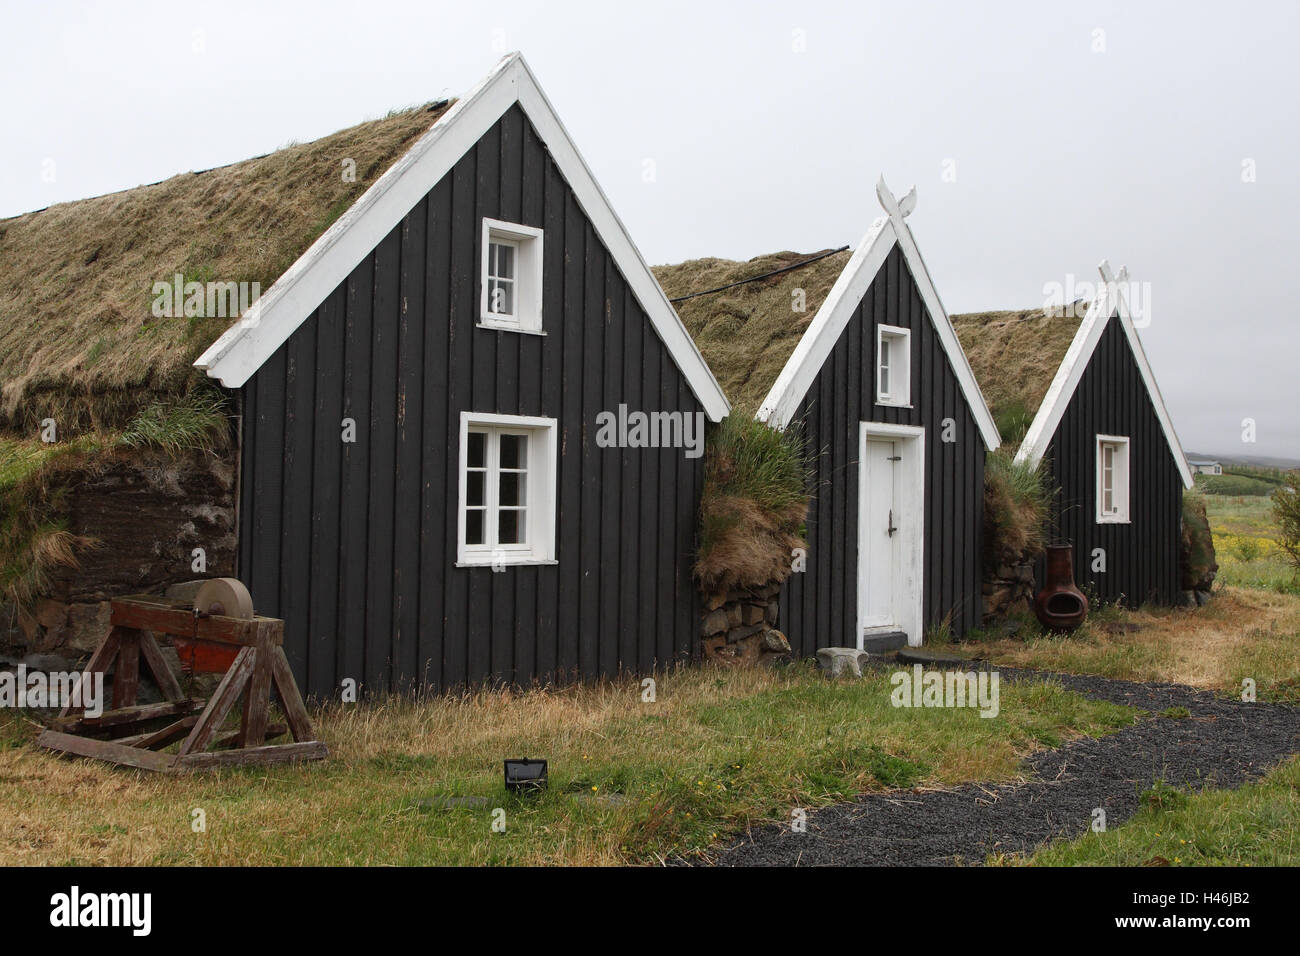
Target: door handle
891, 528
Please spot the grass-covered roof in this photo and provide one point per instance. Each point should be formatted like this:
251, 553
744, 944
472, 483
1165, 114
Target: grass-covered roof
1014, 356
78, 340
747, 332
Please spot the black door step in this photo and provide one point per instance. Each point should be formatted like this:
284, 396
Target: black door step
884, 643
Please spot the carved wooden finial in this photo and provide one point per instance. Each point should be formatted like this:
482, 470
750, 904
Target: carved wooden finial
908, 202
895, 207
886, 198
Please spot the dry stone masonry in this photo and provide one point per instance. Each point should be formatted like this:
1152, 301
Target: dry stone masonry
740, 626
1007, 586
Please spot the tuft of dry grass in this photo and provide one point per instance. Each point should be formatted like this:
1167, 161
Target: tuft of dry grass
1015, 355
78, 341
1017, 509
753, 506
34, 539
747, 334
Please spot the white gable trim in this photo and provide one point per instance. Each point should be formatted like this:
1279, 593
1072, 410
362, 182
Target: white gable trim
800, 371
1108, 301
296, 295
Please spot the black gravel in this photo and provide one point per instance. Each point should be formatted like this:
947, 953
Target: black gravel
1221, 743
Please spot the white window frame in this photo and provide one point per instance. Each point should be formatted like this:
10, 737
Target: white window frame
900, 372
539, 491
1120, 483
527, 242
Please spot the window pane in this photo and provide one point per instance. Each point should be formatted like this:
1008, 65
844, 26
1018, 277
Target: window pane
474, 485
477, 442
510, 526
512, 488
501, 299
514, 450
473, 527
503, 261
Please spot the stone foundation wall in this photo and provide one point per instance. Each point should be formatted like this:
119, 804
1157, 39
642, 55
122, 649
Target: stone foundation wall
740, 626
1007, 587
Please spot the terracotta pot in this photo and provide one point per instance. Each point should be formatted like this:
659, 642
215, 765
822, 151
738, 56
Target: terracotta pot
1060, 605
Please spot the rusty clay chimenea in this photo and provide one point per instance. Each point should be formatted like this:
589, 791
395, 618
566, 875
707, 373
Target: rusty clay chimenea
1060, 605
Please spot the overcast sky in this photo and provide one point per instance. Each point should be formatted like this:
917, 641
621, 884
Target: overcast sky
1042, 138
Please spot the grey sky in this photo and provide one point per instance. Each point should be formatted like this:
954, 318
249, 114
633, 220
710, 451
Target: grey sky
1062, 155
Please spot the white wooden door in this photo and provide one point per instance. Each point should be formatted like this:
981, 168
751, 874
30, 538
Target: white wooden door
880, 537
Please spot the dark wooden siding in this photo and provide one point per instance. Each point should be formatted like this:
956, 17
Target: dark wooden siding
354, 545
819, 606
1141, 556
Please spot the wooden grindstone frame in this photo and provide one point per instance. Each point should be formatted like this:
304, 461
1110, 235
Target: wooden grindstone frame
254, 649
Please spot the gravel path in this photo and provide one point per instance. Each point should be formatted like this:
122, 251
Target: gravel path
1221, 743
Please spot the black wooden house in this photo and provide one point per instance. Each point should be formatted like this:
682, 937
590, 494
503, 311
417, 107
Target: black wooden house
892, 419
424, 497
1109, 447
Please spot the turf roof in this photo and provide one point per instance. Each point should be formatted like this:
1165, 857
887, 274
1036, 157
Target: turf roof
78, 340
1015, 356
747, 333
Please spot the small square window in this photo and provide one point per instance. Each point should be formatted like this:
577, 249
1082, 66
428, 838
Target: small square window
511, 277
893, 366
507, 490
1112, 479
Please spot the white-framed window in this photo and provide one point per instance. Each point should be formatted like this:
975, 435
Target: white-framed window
1112, 479
507, 503
511, 277
893, 365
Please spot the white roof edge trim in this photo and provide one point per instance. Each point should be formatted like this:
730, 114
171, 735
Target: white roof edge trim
817, 341
939, 315
1108, 301
815, 346
296, 295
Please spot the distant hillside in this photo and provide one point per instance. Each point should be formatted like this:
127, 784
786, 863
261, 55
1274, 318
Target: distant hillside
1251, 461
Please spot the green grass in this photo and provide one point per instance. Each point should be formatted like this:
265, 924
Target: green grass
753, 506
1245, 543
765, 465
1012, 419
1257, 824
194, 422
1017, 499
1229, 484
718, 751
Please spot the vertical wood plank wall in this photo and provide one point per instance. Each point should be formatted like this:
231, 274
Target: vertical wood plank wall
354, 545
819, 606
1142, 556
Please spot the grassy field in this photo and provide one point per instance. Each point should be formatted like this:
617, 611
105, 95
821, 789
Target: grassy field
1241, 633
630, 781
1245, 544
1251, 628
1255, 825
634, 781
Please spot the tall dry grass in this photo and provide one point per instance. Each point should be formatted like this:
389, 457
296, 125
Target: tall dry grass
78, 341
